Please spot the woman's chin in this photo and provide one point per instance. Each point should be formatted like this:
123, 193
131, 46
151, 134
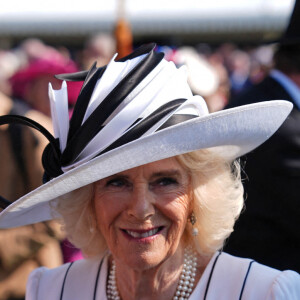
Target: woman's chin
143, 261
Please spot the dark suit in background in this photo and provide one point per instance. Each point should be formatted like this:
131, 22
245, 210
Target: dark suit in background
268, 230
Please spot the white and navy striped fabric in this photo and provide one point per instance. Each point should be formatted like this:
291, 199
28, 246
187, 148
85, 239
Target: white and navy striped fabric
226, 277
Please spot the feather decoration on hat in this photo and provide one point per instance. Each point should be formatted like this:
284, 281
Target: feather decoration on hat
123, 101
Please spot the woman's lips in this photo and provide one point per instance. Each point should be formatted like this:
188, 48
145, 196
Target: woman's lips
142, 234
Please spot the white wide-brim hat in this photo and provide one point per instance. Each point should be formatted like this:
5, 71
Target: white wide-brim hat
132, 112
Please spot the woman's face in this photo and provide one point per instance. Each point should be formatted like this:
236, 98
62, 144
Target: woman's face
142, 212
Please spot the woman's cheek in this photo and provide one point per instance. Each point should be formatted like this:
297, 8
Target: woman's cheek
179, 203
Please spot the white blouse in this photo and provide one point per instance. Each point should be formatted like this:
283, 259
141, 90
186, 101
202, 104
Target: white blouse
226, 277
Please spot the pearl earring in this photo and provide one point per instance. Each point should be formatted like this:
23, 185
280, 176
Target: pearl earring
193, 220
91, 224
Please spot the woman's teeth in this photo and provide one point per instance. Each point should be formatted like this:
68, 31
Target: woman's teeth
142, 235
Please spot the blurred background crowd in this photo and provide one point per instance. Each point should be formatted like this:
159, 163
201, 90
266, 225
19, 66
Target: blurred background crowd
220, 71
214, 72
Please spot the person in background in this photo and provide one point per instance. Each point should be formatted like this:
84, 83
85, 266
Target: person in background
28, 247
25, 248
9, 64
240, 64
98, 48
268, 229
30, 83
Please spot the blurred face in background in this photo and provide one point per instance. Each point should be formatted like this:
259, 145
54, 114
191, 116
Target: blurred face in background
36, 94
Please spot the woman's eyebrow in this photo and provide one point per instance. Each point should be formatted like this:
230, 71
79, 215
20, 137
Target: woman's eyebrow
174, 172
118, 176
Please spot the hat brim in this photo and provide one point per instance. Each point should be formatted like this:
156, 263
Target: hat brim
231, 133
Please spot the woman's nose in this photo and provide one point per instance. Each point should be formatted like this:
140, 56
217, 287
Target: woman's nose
141, 204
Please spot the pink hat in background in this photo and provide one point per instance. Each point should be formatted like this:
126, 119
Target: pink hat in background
55, 64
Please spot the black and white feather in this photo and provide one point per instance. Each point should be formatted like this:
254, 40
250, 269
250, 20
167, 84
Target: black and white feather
123, 101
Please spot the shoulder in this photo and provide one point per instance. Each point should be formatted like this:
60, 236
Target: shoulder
240, 278
70, 281
285, 286
258, 281
272, 283
42, 280
268, 89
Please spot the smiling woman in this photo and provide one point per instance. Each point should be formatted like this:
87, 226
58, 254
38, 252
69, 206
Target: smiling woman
213, 192
142, 215
146, 184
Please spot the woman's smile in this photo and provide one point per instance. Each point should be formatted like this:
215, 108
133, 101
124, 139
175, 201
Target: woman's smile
146, 235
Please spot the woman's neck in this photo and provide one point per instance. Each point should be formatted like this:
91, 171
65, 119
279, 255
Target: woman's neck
159, 282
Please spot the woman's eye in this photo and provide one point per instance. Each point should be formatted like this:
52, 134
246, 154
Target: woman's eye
166, 181
116, 182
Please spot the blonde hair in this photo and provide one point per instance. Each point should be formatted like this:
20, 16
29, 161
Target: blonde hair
79, 222
217, 198
217, 194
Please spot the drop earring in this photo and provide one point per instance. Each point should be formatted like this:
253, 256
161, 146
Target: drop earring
91, 224
193, 221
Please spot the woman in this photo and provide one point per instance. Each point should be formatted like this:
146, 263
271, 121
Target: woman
144, 181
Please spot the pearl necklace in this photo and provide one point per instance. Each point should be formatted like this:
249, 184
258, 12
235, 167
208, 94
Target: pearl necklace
111, 289
186, 280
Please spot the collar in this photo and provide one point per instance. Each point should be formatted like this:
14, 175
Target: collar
291, 88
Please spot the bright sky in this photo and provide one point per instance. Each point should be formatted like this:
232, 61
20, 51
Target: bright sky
40, 9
